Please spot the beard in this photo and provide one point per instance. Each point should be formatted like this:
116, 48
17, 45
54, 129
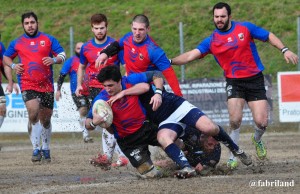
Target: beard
32, 35
224, 28
101, 38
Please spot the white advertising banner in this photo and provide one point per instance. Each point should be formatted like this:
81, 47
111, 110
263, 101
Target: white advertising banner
289, 96
64, 119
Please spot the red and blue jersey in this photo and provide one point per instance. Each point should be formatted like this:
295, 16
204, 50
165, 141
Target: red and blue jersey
88, 55
235, 50
31, 51
70, 67
147, 56
128, 112
2, 50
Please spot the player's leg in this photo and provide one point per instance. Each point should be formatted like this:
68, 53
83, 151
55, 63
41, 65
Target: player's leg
108, 146
166, 136
257, 101
260, 116
45, 114
82, 103
122, 159
235, 110
136, 149
34, 127
2, 106
2, 110
85, 133
197, 119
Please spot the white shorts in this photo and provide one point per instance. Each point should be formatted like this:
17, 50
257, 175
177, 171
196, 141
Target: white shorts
178, 114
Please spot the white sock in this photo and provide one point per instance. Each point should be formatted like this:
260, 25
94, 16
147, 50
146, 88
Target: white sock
35, 135
85, 132
46, 137
1, 120
235, 136
108, 143
119, 151
258, 133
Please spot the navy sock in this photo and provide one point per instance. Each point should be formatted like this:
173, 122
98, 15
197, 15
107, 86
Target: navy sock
224, 138
177, 155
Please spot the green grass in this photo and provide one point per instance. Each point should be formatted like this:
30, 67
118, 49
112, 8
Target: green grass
57, 16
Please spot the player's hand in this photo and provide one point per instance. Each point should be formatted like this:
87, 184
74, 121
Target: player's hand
291, 57
115, 98
57, 95
78, 91
9, 88
101, 60
48, 61
97, 119
16, 88
19, 68
198, 167
156, 101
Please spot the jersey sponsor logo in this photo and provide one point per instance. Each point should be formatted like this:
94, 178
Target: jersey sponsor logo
141, 57
42, 43
241, 36
136, 154
229, 90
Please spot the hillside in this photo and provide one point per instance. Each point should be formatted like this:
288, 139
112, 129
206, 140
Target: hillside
57, 16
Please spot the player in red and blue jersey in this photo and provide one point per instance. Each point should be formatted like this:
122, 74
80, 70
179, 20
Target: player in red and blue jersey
130, 128
141, 53
2, 94
82, 103
169, 112
88, 55
37, 52
232, 44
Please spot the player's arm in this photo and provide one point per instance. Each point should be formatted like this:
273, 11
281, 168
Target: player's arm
135, 90
60, 82
288, 55
60, 58
186, 57
109, 51
158, 82
8, 73
159, 58
80, 75
15, 87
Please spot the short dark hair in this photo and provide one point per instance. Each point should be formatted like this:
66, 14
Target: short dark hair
111, 72
220, 5
141, 18
98, 18
28, 15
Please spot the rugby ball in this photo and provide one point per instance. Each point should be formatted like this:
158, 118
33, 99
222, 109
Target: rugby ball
104, 110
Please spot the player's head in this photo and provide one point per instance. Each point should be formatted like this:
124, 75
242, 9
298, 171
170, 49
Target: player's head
30, 23
99, 26
110, 77
207, 143
77, 48
140, 27
222, 15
